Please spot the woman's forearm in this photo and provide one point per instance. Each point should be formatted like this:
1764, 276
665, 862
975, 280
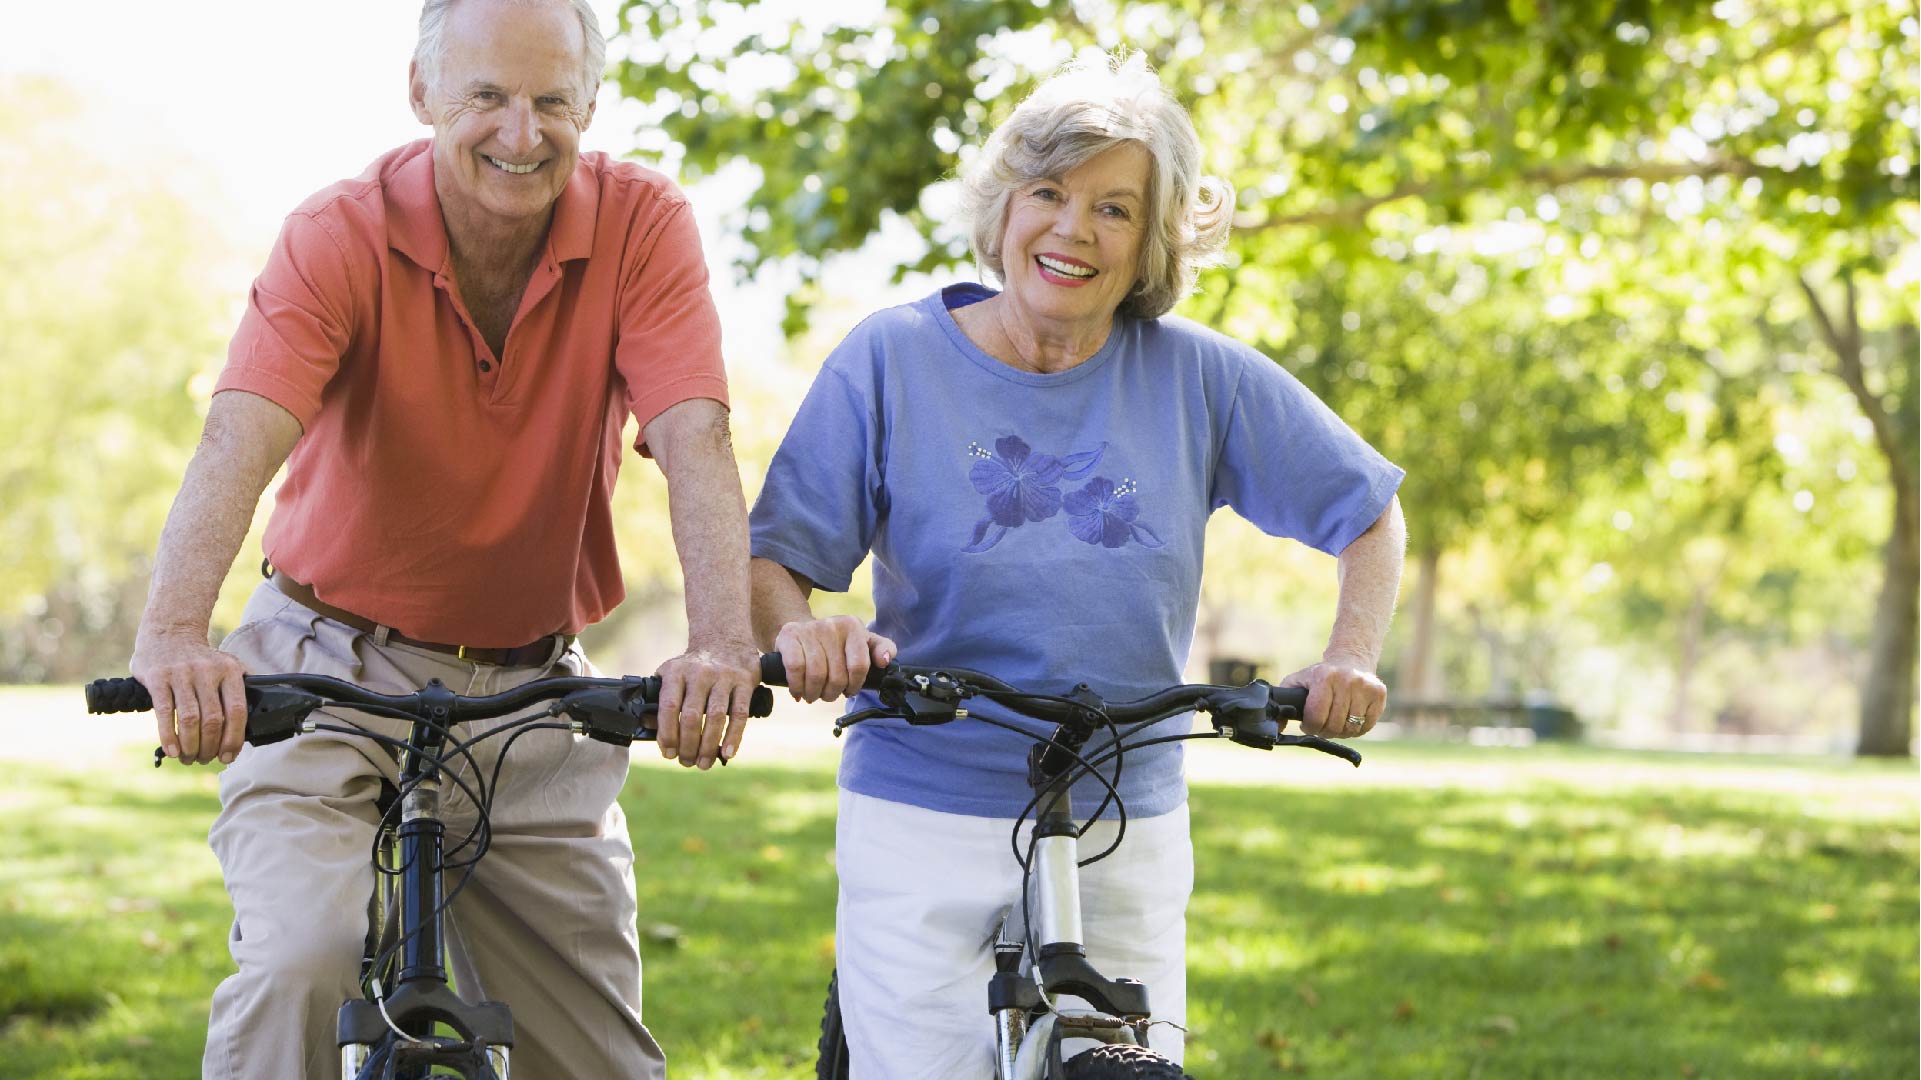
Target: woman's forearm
780, 597
1370, 570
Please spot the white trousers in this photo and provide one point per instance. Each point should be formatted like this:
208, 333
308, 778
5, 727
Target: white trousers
922, 896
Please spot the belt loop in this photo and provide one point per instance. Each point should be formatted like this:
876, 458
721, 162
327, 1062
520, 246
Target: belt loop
559, 650
380, 635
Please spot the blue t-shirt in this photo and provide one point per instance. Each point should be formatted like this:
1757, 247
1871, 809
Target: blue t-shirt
1044, 529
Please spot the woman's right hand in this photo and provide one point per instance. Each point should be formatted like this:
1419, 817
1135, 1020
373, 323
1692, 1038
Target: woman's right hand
830, 658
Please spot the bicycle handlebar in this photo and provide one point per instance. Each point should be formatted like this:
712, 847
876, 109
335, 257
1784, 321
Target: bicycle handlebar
1253, 715
611, 710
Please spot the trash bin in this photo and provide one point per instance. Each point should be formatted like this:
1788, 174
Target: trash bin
1549, 719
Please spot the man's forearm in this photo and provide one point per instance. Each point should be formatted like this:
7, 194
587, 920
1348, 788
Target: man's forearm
1370, 571
709, 519
245, 439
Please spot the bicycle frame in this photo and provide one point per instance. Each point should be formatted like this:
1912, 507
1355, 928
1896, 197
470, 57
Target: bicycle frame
392, 1035
1060, 966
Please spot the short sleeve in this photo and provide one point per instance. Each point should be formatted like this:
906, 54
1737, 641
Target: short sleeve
824, 495
1294, 469
299, 320
668, 346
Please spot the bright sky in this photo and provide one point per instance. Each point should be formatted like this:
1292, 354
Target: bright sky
271, 101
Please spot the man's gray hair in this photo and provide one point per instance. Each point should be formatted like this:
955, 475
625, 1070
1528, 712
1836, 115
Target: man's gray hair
1095, 103
431, 44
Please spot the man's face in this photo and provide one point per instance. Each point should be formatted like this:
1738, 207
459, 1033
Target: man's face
507, 109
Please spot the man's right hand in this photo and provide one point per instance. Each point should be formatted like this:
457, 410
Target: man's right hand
199, 698
830, 658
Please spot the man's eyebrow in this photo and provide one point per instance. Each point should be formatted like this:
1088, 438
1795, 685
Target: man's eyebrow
479, 85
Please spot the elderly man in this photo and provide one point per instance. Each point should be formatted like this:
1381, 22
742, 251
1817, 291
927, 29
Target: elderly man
444, 351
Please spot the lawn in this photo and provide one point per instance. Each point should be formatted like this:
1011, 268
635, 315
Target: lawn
1444, 912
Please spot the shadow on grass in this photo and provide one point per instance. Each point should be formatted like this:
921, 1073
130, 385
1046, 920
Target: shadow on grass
1550, 933
1539, 931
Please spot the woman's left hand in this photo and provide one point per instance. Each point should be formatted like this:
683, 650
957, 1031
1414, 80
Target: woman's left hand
1340, 692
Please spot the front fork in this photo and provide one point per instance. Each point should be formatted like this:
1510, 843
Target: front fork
1120, 1014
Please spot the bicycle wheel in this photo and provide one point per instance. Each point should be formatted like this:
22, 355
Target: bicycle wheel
1118, 1061
833, 1037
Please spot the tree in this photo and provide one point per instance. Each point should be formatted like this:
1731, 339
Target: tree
1586, 150
108, 321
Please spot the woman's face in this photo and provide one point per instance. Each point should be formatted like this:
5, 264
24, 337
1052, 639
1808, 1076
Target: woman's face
1072, 247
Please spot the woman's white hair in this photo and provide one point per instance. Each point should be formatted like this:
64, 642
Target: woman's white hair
431, 44
1095, 103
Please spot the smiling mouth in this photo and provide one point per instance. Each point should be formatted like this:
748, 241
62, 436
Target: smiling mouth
510, 167
1066, 270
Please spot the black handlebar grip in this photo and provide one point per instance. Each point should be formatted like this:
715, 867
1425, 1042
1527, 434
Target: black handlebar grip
762, 703
773, 672
117, 695
1288, 700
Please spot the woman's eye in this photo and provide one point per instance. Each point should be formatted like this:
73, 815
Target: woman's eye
1119, 213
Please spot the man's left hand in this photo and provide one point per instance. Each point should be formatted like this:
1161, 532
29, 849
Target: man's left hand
1340, 691
704, 695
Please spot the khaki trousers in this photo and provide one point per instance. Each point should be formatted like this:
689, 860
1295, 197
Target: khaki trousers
545, 922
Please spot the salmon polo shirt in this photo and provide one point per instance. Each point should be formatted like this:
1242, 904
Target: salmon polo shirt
455, 495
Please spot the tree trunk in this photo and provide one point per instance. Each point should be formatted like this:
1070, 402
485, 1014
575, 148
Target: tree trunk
1689, 660
1417, 674
1887, 696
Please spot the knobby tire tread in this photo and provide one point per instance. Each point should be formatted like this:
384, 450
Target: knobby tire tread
1119, 1061
832, 1063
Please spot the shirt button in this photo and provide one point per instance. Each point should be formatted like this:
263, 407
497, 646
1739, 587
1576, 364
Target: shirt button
485, 366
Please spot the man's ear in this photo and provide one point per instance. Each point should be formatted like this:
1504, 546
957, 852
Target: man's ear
588, 117
417, 94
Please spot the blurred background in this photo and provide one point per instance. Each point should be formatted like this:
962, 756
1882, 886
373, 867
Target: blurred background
1629, 288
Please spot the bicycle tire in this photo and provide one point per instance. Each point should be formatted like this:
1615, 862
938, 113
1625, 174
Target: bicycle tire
832, 1063
1120, 1061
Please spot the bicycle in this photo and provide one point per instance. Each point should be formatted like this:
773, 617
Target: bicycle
394, 1031
1049, 959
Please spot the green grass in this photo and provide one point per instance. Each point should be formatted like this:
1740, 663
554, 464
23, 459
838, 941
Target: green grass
1585, 914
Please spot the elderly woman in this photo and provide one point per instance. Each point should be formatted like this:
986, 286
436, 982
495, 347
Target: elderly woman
1033, 470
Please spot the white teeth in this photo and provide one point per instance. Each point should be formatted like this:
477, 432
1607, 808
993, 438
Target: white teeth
1064, 269
518, 170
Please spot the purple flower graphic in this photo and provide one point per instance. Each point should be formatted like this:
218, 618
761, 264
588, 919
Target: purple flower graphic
1103, 514
1020, 485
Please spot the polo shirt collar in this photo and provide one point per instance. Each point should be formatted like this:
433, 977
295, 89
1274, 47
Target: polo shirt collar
416, 229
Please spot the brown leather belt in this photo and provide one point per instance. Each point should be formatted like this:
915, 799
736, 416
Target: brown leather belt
539, 651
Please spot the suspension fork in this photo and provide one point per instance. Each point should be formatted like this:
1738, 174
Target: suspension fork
422, 838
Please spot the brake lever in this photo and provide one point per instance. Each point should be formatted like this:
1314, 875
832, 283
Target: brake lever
1326, 746
274, 713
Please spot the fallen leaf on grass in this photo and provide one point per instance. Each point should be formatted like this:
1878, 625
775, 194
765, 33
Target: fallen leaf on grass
1707, 980
1505, 1025
1272, 1040
1612, 941
661, 933
1308, 995
1403, 1010
694, 845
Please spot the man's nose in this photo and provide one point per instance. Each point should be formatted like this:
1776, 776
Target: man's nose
520, 128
